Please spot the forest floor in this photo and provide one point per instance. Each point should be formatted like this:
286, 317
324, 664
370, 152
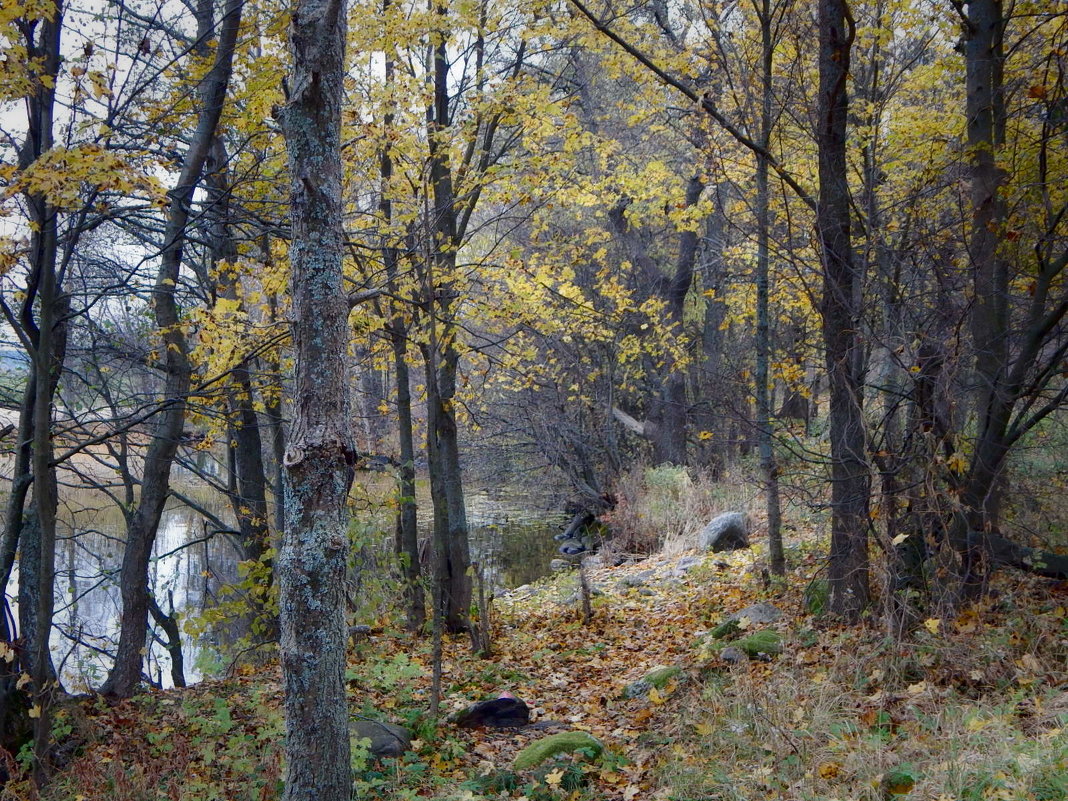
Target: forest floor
962, 708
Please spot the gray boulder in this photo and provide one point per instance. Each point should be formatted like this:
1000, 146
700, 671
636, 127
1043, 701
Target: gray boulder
728, 532
572, 547
637, 579
759, 614
557, 565
733, 656
685, 565
387, 739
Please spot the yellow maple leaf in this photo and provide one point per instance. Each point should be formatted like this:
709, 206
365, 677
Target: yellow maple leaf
932, 624
553, 778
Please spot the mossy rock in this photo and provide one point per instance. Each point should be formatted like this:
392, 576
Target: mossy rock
760, 642
758, 614
548, 747
658, 677
724, 629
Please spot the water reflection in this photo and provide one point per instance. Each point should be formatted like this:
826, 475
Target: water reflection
511, 541
189, 565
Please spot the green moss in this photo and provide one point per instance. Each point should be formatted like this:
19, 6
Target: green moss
658, 677
724, 629
548, 747
761, 642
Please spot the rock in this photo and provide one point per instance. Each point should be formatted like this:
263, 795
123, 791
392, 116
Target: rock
733, 655
637, 579
728, 532
387, 739
593, 562
760, 614
556, 565
548, 747
760, 644
657, 677
646, 592
572, 547
503, 712
685, 565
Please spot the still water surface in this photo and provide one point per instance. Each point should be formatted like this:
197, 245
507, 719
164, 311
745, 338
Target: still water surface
510, 538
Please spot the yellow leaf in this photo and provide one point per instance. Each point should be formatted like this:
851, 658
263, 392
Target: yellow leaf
917, 688
976, 724
932, 624
24, 679
703, 729
553, 779
35, 711
655, 696
900, 538
829, 770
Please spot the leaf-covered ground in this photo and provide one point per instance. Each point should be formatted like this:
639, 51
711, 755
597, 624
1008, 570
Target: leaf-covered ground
972, 707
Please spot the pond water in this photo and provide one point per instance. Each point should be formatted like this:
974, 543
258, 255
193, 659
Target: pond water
510, 537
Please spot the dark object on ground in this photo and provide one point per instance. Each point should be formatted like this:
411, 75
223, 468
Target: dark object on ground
504, 712
387, 739
733, 656
728, 532
572, 547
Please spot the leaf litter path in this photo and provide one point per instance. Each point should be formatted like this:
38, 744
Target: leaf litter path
650, 615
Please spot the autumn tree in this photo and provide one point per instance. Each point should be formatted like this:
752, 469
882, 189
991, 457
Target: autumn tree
320, 453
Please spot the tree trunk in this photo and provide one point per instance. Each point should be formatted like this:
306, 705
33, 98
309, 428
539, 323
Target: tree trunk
407, 534
669, 446
250, 499
840, 307
450, 516
155, 484
320, 451
985, 112
765, 438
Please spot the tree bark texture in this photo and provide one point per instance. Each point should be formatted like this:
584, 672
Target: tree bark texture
765, 439
985, 111
320, 450
155, 485
840, 307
